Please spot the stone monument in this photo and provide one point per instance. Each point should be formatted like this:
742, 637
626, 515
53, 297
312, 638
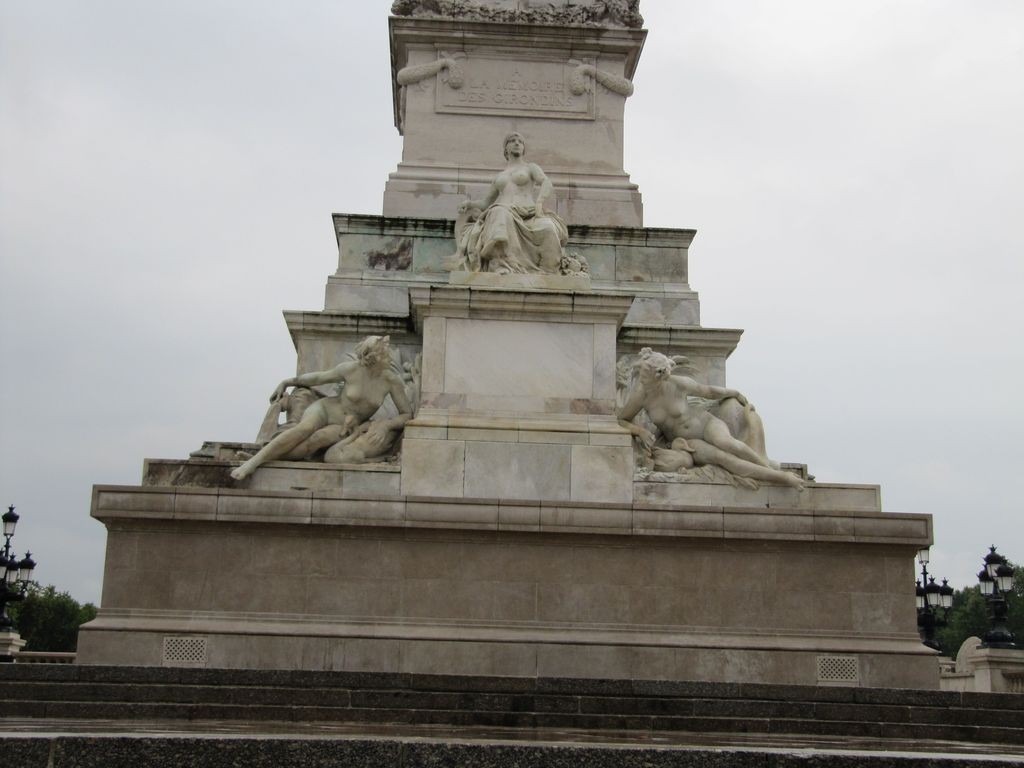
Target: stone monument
510, 448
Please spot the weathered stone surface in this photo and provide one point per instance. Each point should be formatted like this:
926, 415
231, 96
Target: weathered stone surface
550, 360
518, 471
456, 98
433, 468
601, 473
350, 296
587, 589
821, 496
624, 13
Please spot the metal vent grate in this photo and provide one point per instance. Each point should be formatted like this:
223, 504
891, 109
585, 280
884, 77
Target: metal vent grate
184, 652
838, 670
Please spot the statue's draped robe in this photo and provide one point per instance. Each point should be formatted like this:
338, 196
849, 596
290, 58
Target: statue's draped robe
508, 239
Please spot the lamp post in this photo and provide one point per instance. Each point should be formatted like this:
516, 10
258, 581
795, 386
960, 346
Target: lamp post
996, 580
930, 599
15, 576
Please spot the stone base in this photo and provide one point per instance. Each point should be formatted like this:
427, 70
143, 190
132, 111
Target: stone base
116, 639
380, 258
437, 192
360, 479
844, 497
10, 644
322, 580
509, 463
445, 468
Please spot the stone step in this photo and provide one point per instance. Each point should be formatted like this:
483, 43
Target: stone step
122, 711
504, 720
575, 687
333, 704
124, 693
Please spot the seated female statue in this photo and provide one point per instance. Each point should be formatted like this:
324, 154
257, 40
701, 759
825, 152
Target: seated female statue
512, 233
367, 381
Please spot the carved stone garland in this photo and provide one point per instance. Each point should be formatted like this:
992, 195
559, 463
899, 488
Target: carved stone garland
456, 76
579, 84
605, 13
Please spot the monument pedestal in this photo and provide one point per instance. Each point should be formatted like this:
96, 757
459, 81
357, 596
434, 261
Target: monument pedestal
516, 530
512, 536
475, 586
517, 397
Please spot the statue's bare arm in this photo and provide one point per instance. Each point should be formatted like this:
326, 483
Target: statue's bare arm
398, 395
634, 404
312, 379
546, 187
485, 203
707, 390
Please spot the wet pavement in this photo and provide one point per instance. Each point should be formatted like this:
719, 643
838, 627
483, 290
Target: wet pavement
762, 743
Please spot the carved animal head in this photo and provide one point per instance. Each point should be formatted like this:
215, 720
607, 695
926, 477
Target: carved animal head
655, 366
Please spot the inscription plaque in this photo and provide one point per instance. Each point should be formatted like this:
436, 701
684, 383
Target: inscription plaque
504, 87
532, 359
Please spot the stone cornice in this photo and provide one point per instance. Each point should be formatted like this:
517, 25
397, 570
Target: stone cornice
500, 304
666, 339
568, 40
365, 224
581, 235
589, 13
514, 305
333, 324
113, 504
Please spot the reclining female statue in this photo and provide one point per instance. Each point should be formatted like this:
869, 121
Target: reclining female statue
695, 434
340, 423
511, 233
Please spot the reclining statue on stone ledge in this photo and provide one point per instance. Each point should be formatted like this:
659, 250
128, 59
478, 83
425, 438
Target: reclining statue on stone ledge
509, 232
722, 430
338, 424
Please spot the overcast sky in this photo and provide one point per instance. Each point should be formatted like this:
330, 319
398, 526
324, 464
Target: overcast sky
853, 169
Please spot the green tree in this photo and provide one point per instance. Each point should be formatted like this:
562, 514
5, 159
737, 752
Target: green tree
48, 620
969, 615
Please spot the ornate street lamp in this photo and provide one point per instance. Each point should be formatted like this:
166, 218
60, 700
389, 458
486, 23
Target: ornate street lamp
996, 580
931, 598
15, 576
